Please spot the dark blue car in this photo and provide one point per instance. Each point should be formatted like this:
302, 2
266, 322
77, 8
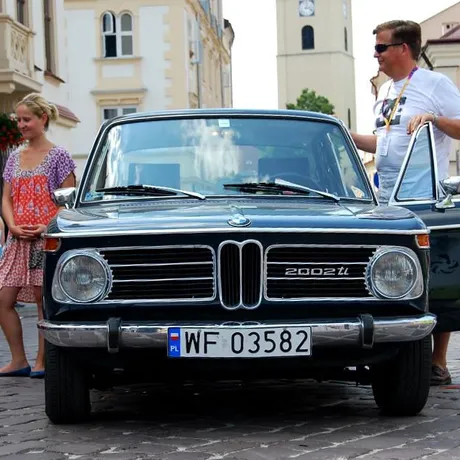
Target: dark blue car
241, 244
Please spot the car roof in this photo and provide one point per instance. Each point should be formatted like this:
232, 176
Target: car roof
228, 112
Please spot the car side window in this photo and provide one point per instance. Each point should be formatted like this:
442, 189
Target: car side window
417, 181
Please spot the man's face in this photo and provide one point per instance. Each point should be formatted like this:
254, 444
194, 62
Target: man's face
390, 57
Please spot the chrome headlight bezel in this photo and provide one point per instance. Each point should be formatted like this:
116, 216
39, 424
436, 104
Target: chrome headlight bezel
417, 287
61, 295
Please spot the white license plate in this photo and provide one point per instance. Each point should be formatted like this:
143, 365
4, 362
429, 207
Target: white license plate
235, 342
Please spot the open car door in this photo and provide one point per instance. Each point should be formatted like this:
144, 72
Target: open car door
435, 202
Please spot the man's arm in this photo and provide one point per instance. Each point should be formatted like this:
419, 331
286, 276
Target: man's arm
365, 142
450, 126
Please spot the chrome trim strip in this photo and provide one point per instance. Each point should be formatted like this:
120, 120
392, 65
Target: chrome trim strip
313, 263
159, 265
169, 246
308, 278
202, 231
150, 280
240, 246
325, 333
445, 227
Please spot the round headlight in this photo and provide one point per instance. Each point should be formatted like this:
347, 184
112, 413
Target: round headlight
85, 277
395, 274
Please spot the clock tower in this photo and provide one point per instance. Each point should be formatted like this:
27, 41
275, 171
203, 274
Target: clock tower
315, 51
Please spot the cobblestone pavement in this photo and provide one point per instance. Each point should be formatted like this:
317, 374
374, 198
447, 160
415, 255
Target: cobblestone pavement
282, 420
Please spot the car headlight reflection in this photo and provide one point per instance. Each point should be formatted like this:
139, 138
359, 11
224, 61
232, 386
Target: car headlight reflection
82, 277
395, 273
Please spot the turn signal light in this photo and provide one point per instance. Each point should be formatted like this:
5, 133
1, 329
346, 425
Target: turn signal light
423, 241
52, 244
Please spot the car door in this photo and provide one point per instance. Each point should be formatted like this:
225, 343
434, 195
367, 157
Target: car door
419, 189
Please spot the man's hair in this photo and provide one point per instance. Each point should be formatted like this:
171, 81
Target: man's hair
408, 32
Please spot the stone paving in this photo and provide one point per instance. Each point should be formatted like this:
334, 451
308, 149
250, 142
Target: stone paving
277, 420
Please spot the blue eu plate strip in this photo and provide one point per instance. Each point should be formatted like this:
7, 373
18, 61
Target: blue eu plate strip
174, 342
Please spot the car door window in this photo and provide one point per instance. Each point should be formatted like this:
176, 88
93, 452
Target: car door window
417, 180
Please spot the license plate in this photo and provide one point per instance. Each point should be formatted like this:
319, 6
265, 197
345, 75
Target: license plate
234, 342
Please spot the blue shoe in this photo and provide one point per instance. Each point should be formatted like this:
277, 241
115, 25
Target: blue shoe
37, 374
24, 372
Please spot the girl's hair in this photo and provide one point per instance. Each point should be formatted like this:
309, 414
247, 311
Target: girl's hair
38, 105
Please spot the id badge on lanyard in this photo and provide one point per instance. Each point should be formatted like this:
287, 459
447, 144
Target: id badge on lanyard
384, 145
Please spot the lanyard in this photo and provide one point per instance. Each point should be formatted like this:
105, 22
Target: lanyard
388, 120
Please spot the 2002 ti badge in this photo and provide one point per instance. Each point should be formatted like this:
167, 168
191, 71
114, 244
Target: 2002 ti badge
229, 244
234, 342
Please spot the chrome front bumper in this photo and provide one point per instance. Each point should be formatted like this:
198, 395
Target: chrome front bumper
361, 331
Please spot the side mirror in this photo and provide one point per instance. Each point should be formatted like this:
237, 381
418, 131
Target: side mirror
451, 185
65, 196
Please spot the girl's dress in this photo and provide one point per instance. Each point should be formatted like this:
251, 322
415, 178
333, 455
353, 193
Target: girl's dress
21, 264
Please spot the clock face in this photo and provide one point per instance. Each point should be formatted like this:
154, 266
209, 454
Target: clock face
306, 7
345, 8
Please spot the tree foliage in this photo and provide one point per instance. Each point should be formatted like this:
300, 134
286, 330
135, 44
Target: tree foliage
313, 102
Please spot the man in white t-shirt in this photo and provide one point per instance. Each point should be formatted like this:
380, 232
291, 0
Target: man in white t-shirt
411, 97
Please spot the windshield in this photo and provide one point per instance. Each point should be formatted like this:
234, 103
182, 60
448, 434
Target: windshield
201, 155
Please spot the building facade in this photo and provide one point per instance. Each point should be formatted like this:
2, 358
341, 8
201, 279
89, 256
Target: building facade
315, 51
33, 58
139, 55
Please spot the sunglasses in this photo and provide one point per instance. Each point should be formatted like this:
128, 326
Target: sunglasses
382, 47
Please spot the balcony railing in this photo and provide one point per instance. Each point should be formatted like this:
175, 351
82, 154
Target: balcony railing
16, 56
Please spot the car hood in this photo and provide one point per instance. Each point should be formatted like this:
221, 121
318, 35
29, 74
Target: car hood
225, 214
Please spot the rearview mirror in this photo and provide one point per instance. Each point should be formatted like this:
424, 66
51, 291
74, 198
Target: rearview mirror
64, 196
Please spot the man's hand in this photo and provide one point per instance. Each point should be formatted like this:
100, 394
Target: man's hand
418, 120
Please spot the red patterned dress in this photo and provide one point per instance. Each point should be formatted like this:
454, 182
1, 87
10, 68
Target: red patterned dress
21, 264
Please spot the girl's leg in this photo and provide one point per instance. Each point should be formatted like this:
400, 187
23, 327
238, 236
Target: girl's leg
40, 361
12, 329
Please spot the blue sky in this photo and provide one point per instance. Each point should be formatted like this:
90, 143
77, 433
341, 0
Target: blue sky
254, 51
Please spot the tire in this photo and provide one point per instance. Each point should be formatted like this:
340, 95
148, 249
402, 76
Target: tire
66, 387
401, 385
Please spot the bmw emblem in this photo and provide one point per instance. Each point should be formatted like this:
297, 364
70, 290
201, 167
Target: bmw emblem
238, 220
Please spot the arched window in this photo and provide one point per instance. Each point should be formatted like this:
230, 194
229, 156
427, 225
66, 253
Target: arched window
117, 32
308, 38
345, 37
126, 32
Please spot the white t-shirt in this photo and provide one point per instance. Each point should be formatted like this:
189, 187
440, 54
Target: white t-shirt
426, 92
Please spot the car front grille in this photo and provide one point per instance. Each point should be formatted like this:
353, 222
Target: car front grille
309, 272
165, 273
240, 274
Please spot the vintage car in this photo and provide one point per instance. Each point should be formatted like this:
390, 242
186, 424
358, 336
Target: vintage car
237, 244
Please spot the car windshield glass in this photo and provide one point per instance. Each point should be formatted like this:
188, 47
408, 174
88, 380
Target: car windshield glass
201, 155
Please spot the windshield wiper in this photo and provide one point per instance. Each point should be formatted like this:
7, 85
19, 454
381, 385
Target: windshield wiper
153, 190
279, 185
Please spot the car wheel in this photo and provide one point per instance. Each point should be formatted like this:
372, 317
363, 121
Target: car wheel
401, 385
66, 387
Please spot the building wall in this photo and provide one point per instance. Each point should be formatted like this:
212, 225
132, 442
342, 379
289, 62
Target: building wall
54, 87
159, 75
329, 67
435, 26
